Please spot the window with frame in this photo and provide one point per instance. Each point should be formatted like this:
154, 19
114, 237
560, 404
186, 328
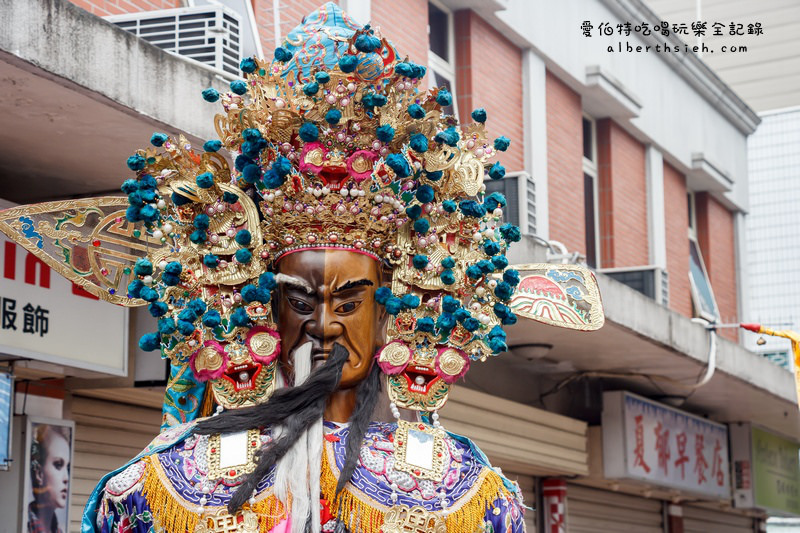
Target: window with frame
441, 51
705, 305
590, 192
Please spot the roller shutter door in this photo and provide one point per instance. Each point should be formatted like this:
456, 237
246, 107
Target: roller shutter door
107, 435
702, 520
592, 510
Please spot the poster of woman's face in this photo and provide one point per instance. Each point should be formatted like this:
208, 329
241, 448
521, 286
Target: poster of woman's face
48, 460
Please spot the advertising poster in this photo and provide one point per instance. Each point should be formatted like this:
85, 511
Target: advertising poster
48, 462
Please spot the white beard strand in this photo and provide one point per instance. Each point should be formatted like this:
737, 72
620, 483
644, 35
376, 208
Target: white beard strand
304, 456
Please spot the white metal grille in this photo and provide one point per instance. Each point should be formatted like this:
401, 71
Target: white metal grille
207, 34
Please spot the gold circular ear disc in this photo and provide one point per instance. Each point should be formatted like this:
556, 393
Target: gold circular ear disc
395, 354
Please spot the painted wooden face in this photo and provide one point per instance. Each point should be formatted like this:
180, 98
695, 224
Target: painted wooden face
331, 300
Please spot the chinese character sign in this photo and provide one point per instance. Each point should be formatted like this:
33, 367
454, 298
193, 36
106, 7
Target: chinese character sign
44, 316
647, 441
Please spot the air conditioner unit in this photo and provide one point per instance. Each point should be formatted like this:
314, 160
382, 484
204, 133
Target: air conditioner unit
209, 34
520, 192
652, 281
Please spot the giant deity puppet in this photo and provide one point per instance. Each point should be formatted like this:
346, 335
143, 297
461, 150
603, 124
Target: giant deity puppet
350, 248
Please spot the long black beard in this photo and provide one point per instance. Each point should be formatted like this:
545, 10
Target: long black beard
296, 408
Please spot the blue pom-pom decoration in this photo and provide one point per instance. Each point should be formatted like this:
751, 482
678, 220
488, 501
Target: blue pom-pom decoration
251, 134
479, 115
267, 281
348, 63
187, 315
212, 319
333, 117
251, 173
322, 77
404, 69
136, 162
494, 200
503, 290
166, 326
311, 88
399, 165
471, 324
416, 111
198, 236
249, 293
448, 137
205, 180
148, 294
185, 328
158, 309
211, 260
450, 304
510, 232
461, 314
150, 341
229, 197
500, 262
179, 200
447, 277
471, 208
143, 267
421, 225
373, 100
414, 211
502, 143
418, 143
148, 213
130, 186
158, 139
491, 248
272, 180
201, 221
210, 94
309, 132
147, 183
497, 345
419, 261
248, 65
173, 268
198, 306
485, 265
243, 237
382, 294
449, 206
434, 176
367, 43
238, 87
474, 272
239, 317
425, 194
393, 305
135, 287
384, 133
511, 277
444, 98
410, 301
282, 54
446, 322
213, 145
241, 161
497, 171
425, 324
244, 255
448, 262
147, 195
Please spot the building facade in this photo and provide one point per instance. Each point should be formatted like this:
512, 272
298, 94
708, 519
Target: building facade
632, 162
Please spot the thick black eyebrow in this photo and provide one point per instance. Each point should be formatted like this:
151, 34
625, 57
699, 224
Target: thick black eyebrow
351, 284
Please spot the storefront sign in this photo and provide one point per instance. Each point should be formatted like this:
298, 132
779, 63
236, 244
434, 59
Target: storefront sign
650, 442
43, 316
766, 469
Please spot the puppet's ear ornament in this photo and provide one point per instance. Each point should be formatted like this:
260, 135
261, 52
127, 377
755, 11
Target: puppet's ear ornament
566, 296
88, 241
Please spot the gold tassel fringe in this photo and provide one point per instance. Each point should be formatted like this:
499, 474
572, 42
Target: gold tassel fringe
174, 516
362, 517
